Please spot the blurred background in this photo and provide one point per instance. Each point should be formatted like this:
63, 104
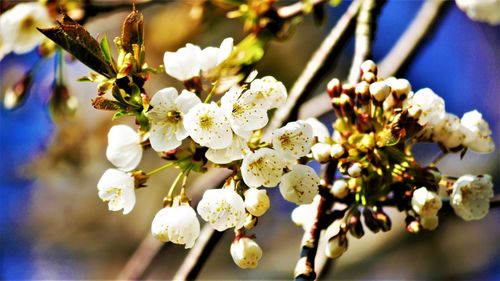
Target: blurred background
54, 226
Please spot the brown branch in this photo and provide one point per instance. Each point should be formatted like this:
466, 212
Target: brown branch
312, 70
138, 263
407, 44
296, 9
411, 38
305, 267
198, 255
365, 30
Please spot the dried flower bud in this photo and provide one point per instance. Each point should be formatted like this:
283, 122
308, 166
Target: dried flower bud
369, 66
245, 252
336, 246
333, 87
355, 170
336, 151
380, 91
340, 189
321, 152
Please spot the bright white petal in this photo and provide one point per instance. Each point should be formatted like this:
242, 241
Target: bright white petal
222, 209
293, 140
124, 149
235, 151
208, 59
184, 64
225, 49
117, 188
187, 100
207, 125
300, 185
262, 168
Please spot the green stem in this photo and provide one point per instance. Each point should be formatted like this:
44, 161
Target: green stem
174, 184
170, 164
212, 91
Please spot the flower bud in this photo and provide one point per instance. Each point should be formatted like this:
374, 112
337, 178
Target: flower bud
400, 89
368, 66
62, 104
355, 170
362, 91
250, 221
355, 226
349, 90
340, 189
17, 94
369, 77
245, 252
383, 220
412, 225
380, 91
370, 220
336, 246
429, 223
256, 201
321, 152
425, 203
336, 151
333, 88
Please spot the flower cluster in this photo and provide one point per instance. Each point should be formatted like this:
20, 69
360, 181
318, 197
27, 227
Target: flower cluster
378, 122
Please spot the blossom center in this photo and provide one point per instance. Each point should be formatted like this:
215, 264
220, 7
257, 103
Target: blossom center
206, 121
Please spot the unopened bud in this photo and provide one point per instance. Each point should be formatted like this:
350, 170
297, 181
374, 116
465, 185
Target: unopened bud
250, 221
429, 223
355, 226
412, 225
380, 91
17, 94
400, 89
369, 77
333, 88
340, 189
362, 91
321, 152
245, 252
383, 220
349, 90
61, 103
336, 151
370, 220
368, 66
336, 246
256, 201
355, 170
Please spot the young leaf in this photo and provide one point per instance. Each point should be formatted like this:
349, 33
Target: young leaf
77, 41
132, 31
106, 52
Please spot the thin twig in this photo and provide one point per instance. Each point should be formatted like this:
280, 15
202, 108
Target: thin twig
311, 72
305, 268
365, 30
198, 255
407, 44
296, 9
411, 38
138, 263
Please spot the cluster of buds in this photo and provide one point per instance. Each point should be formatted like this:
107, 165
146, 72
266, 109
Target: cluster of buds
378, 122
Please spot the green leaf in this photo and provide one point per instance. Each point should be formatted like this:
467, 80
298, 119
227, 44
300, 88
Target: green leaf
120, 114
73, 38
106, 52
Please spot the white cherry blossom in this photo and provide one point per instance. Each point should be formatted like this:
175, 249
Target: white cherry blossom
321, 152
481, 10
264, 167
304, 215
18, 27
245, 252
471, 195
117, 188
177, 224
167, 115
477, 132
208, 126
340, 189
222, 209
256, 201
320, 131
449, 131
191, 61
300, 185
236, 151
294, 140
124, 147
269, 92
426, 203
430, 106
243, 112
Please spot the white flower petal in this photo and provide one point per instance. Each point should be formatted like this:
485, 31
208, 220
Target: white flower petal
426, 203
207, 125
208, 58
262, 168
269, 92
124, 147
246, 253
242, 111
183, 64
300, 185
430, 105
236, 151
471, 195
319, 129
225, 49
293, 140
222, 209
117, 188
477, 132
177, 224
